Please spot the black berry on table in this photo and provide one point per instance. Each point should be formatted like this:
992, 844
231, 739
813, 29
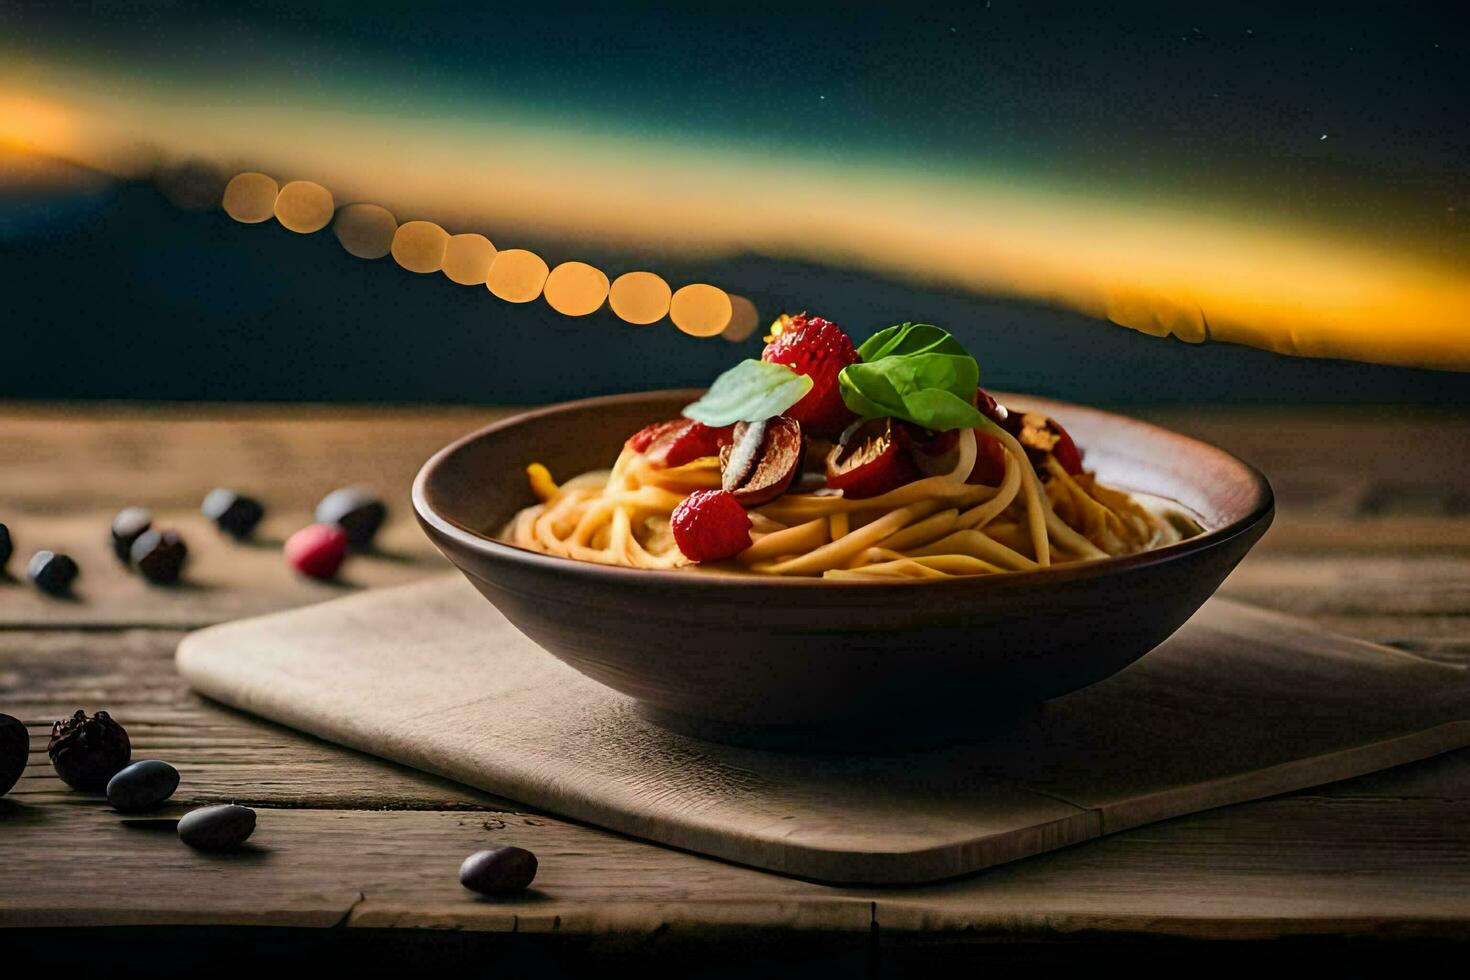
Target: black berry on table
217, 828
142, 785
15, 747
127, 526
52, 572
160, 556
234, 513
87, 751
6, 547
498, 871
356, 511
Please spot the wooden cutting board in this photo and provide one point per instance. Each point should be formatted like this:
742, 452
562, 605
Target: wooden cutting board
1238, 705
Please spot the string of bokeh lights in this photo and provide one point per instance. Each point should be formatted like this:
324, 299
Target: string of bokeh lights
514, 275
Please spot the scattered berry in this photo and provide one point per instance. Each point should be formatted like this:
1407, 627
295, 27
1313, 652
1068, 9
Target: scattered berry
498, 871
6, 547
15, 748
88, 751
819, 349
710, 525
317, 550
53, 573
217, 828
127, 527
160, 556
142, 785
356, 511
233, 513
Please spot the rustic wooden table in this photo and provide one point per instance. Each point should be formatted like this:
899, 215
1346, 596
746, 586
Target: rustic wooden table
1372, 539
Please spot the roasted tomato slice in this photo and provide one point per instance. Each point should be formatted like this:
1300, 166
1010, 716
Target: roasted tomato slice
1041, 435
679, 441
936, 453
871, 458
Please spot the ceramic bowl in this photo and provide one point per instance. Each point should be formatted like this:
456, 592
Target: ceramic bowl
807, 662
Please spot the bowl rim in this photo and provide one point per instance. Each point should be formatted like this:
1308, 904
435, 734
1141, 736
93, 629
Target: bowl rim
436, 524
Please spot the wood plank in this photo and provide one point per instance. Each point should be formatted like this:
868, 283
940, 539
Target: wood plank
221, 754
228, 580
1255, 871
71, 458
224, 579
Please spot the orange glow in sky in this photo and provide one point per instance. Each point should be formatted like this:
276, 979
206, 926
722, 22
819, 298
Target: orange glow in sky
1161, 268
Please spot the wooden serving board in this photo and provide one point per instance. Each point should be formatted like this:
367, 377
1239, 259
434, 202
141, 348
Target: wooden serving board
1238, 705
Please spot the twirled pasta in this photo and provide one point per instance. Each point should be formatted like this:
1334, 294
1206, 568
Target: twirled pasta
935, 527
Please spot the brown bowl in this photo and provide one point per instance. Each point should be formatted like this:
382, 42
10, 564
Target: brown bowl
812, 663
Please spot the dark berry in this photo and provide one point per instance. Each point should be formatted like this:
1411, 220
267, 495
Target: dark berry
160, 556
217, 828
317, 550
127, 526
88, 751
233, 513
498, 871
15, 748
53, 573
142, 785
6, 548
356, 511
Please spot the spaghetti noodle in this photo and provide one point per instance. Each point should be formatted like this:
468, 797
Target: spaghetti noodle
935, 527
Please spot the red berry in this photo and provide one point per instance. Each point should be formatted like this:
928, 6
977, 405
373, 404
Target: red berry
317, 550
819, 349
711, 525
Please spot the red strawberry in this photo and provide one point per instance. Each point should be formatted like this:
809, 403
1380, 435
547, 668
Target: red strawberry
819, 349
711, 525
680, 441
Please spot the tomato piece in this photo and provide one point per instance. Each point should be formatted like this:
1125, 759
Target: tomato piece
990, 460
679, 441
1066, 451
871, 458
937, 452
1040, 435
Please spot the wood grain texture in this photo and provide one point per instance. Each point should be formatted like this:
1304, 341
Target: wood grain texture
431, 676
1383, 855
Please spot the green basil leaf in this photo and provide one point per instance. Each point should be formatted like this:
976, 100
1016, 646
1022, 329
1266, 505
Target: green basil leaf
908, 339
749, 392
932, 389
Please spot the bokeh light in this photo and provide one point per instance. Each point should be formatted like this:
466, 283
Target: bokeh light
419, 246
576, 289
743, 319
304, 207
467, 259
517, 275
700, 310
250, 197
365, 230
640, 297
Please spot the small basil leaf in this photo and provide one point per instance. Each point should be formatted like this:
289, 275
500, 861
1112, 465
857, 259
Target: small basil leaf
940, 411
930, 390
908, 339
749, 392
